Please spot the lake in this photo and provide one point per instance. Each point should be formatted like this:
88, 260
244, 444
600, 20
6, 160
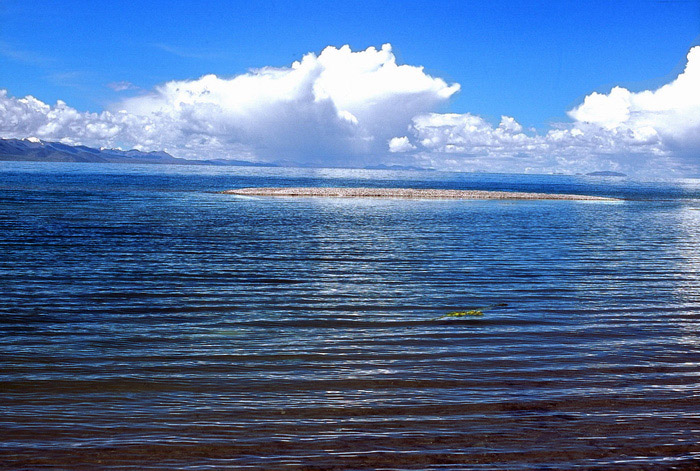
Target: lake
149, 322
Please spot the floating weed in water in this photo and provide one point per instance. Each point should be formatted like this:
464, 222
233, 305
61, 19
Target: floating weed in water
472, 312
469, 313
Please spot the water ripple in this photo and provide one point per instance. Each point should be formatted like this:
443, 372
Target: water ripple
148, 322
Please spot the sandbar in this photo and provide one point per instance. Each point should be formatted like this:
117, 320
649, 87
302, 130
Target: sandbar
409, 193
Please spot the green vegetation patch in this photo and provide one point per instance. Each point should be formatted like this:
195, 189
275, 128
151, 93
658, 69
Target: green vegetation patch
469, 313
472, 312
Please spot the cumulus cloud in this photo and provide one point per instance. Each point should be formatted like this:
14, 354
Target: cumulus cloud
28, 116
344, 107
469, 142
400, 144
338, 107
339, 104
622, 130
671, 113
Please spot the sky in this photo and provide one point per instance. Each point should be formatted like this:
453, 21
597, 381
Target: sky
509, 86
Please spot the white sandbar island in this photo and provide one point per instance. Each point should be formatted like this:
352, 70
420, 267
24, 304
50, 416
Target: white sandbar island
409, 193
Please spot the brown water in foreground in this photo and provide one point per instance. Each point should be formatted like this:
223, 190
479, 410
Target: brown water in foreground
327, 418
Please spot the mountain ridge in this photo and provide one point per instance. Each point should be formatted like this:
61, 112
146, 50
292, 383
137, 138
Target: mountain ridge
36, 150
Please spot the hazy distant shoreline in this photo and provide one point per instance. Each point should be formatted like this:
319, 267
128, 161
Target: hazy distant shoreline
409, 193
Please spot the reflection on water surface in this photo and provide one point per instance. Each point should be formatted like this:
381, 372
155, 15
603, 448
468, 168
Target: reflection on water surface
148, 322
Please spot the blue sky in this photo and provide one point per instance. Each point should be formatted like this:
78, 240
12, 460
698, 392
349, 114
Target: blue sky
528, 59
531, 60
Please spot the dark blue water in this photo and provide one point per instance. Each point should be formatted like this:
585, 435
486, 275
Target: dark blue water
149, 322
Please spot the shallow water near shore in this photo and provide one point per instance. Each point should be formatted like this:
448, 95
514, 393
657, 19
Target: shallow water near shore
149, 322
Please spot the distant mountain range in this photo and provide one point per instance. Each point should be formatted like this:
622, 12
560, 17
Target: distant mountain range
32, 149
35, 150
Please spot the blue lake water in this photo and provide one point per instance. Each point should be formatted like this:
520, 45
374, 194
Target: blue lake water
149, 322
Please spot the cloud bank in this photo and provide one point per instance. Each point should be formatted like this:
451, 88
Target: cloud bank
670, 114
634, 132
339, 107
346, 108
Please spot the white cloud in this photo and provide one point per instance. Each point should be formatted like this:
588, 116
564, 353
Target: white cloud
20, 55
188, 53
338, 107
469, 142
352, 108
400, 144
623, 130
671, 112
122, 86
28, 116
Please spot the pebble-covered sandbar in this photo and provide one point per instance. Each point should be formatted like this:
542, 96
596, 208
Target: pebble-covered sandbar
409, 193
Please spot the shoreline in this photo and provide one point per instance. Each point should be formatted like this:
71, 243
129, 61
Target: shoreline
410, 193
